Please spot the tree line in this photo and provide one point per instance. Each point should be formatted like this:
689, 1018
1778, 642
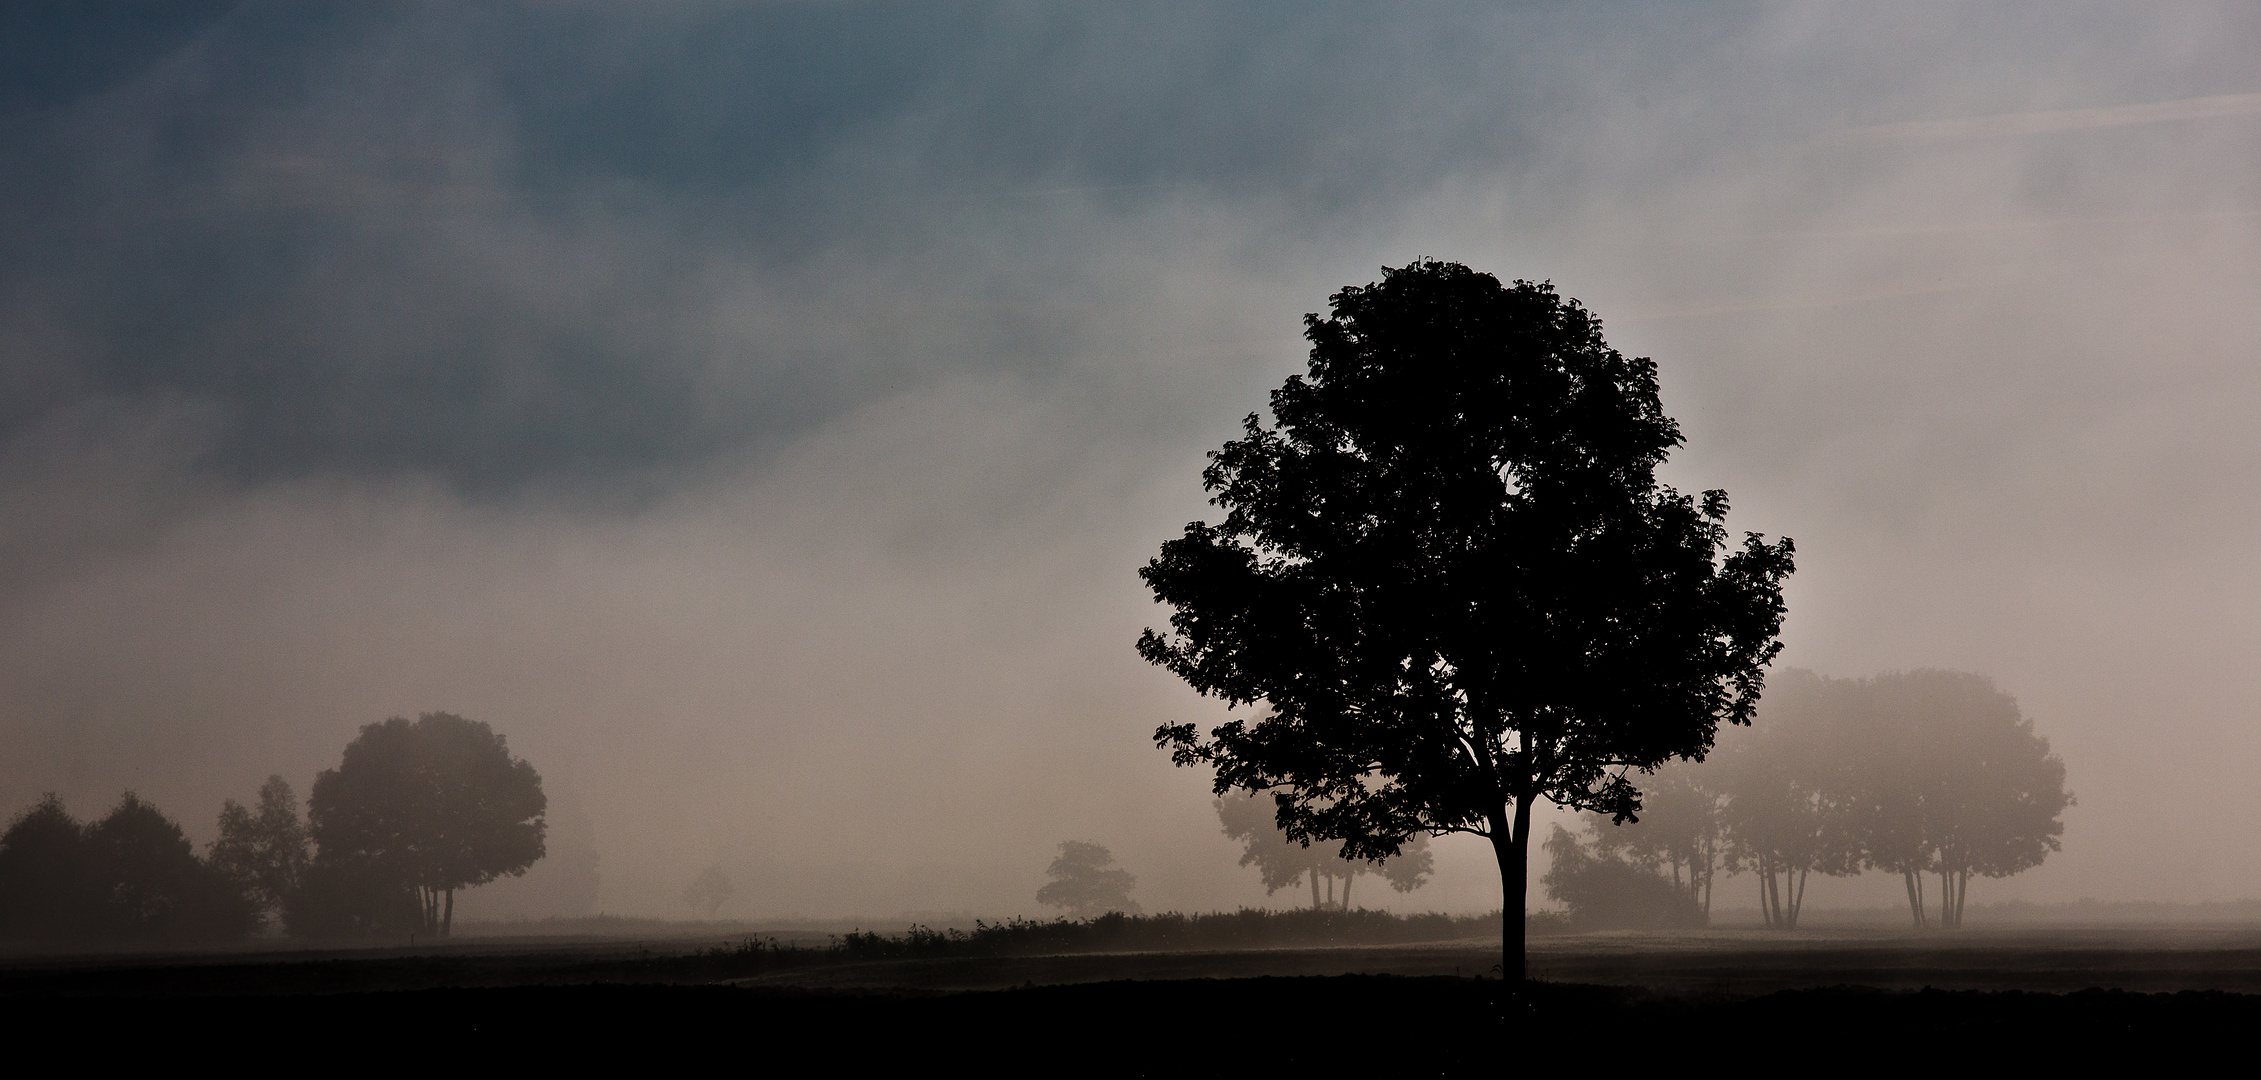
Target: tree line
1934, 776
414, 811
1086, 883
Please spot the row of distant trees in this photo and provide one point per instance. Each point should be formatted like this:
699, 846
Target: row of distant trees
1085, 881
1934, 776
413, 812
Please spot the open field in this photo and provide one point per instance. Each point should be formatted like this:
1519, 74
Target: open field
1166, 1011
1722, 963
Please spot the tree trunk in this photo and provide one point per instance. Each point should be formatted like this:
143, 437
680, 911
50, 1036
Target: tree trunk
1962, 891
1774, 899
1766, 914
447, 919
1346, 880
1946, 900
1314, 888
1915, 899
1512, 847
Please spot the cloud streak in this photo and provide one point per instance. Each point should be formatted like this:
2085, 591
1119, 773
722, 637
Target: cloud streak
2054, 121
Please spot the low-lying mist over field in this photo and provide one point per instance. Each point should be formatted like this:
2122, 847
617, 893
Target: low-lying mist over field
757, 413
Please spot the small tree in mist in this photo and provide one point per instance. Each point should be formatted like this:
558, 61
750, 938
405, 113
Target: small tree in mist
1086, 882
1281, 863
1953, 783
1787, 813
1449, 574
264, 851
1930, 775
1606, 891
432, 806
1680, 834
709, 891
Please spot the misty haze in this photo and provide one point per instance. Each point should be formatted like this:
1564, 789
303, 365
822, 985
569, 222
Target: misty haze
1490, 519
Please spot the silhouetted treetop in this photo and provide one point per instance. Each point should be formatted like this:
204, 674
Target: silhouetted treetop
1450, 577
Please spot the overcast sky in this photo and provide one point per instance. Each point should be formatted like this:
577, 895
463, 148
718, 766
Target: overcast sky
758, 412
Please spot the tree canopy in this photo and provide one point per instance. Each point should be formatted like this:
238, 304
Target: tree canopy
1448, 574
1924, 774
1086, 882
431, 806
1933, 773
265, 851
131, 876
709, 891
1677, 837
1281, 862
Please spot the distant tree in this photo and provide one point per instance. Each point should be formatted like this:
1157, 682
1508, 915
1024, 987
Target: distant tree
131, 876
1680, 833
158, 889
1954, 782
1281, 862
1607, 892
1786, 782
1449, 574
434, 806
709, 891
1083, 883
50, 889
264, 852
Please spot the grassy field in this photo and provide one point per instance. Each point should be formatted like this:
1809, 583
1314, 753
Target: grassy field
1416, 1008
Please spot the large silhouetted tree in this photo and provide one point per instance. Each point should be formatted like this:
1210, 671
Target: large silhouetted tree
1450, 576
432, 806
1281, 863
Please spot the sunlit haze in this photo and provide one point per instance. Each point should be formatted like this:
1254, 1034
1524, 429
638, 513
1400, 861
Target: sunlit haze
758, 413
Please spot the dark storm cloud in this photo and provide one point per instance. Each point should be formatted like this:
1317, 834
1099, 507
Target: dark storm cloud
496, 243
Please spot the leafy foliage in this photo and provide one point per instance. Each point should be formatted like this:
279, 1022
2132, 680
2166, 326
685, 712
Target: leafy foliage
1083, 883
265, 852
1281, 862
49, 887
1913, 773
431, 806
1678, 836
1606, 892
132, 876
1450, 577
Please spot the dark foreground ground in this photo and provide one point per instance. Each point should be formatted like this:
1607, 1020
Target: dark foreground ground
1855, 1003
